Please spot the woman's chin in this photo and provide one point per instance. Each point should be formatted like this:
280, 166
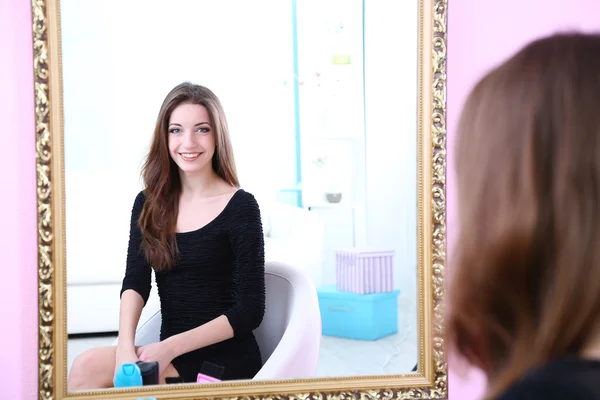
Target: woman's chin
191, 169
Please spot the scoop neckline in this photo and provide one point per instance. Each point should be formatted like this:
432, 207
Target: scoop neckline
217, 217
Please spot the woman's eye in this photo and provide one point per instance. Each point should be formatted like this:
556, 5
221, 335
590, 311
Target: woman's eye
203, 130
175, 130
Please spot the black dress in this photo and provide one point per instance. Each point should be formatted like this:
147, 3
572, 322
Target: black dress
564, 379
220, 271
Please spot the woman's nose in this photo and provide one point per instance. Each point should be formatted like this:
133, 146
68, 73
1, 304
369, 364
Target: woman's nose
188, 140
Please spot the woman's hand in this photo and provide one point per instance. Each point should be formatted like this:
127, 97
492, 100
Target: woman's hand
160, 351
124, 356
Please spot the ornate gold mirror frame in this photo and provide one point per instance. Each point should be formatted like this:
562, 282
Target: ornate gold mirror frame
429, 382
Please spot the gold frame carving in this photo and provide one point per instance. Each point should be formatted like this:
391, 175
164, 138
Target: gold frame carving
429, 382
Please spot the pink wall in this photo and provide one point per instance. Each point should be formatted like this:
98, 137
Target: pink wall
18, 249
481, 34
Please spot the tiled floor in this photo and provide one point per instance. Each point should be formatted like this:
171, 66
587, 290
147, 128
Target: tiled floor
396, 354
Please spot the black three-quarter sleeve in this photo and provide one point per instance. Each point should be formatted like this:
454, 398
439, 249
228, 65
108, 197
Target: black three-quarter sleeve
138, 274
247, 243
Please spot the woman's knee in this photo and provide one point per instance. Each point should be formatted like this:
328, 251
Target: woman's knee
90, 370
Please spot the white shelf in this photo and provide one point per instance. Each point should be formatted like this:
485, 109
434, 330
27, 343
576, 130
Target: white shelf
330, 205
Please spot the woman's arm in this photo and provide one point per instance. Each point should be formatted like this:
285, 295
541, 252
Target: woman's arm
215, 331
136, 283
129, 316
247, 242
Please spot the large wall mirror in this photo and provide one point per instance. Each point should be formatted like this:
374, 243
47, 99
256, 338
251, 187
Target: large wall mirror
336, 119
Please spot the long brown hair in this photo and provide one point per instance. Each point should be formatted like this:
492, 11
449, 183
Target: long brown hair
161, 175
525, 288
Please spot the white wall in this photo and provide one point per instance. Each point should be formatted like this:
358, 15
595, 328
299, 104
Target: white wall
391, 45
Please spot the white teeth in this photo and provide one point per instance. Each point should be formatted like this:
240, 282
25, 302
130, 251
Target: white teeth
190, 155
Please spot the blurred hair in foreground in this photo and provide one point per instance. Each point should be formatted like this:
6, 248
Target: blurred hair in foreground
525, 284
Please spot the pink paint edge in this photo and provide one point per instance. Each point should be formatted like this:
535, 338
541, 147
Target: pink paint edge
18, 236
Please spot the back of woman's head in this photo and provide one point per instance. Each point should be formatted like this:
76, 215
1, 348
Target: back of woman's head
525, 285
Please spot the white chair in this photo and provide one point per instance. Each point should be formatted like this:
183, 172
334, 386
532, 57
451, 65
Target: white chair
290, 334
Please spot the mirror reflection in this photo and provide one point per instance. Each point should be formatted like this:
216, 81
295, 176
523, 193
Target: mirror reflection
241, 190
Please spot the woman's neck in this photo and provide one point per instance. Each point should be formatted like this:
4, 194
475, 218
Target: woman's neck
199, 184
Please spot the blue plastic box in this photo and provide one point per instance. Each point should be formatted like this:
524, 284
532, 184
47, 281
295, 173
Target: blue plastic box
358, 316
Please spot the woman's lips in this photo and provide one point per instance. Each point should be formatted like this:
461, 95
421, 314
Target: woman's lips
190, 156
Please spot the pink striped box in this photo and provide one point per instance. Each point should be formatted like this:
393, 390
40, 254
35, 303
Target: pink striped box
364, 271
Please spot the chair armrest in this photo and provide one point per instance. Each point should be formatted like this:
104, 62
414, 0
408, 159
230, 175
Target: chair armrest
297, 354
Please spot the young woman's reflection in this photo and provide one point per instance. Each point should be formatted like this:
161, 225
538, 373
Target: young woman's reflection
203, 238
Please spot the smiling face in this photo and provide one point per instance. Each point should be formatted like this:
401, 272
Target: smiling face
191, 138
